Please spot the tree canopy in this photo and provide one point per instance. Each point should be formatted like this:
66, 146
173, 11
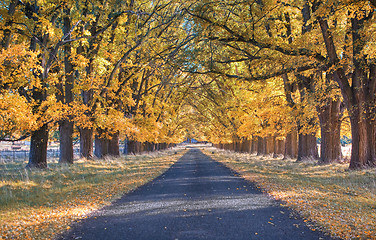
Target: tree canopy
160, 71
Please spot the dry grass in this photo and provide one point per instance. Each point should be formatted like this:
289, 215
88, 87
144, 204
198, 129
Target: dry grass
40, 204
329, 197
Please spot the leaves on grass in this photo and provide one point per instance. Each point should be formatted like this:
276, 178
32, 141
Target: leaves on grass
327, 197
47, 202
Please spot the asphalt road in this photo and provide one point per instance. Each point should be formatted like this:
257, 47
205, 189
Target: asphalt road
197, 198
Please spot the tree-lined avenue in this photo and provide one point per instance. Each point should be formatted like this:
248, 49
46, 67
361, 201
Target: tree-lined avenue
197, 198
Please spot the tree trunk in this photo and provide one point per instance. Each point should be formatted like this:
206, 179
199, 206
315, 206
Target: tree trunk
66, 126
101, 145
307, 147
260, 146
66, 141
7, 34
358, 92
254, 145
132, 148
275, 147
371, 114
113, 145
246, 146
39, 138
281, 147
38, 148
138, 147
360, 150
330, 125
291, 145
86, 143
125, 150
269, 145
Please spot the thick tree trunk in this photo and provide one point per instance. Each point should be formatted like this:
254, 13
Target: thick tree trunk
39, 138
371, 127
66, 141
86, 143
281, 147
307, 147
357, 95
246, 148
132, 147
86, 132
138, 147
360, 151
237, 146
38, 148
154, 147
254, 145
113, 145
329, 116
269, 145
291, 145
101, 145
261, 146
66, 126
125, 149
275, 147
371, 115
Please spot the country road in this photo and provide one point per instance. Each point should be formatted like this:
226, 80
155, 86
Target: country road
197, 198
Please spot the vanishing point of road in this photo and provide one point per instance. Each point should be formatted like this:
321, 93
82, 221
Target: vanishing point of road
197, 198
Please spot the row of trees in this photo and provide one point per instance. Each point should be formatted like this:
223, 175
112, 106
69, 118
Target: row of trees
279, 72
309, 64
94, 68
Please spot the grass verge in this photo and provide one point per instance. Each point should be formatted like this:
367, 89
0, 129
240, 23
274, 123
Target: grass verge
329, 197
39, 204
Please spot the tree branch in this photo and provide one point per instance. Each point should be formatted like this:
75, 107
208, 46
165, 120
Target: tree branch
15, 140
239, 38
261, 77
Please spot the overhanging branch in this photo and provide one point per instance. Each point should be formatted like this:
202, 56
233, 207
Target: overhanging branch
260, 77
236, 37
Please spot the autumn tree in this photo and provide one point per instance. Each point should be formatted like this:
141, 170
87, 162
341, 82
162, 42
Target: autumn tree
265, 33
36, 24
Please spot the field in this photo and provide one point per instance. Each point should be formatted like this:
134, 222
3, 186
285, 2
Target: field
328, 197
39, 204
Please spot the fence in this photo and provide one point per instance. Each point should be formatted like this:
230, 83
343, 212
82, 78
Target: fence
23, 155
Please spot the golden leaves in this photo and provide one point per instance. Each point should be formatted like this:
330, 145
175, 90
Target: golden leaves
15, 115
328, 197
65, 194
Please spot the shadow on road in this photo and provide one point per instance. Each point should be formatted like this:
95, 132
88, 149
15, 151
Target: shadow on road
197, 198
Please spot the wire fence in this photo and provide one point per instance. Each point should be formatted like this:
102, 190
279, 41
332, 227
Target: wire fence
23, 155
52, 153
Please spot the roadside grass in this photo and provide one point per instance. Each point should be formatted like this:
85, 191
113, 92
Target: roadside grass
329, 197
40, 204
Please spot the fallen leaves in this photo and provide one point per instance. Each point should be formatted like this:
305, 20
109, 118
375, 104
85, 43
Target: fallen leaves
330, 198
35, 211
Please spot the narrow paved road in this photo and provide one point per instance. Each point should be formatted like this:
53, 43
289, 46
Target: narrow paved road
197, 198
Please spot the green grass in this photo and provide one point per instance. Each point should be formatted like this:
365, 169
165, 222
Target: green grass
329, 197
38, 204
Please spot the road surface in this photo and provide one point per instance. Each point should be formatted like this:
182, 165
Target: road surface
197, 198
